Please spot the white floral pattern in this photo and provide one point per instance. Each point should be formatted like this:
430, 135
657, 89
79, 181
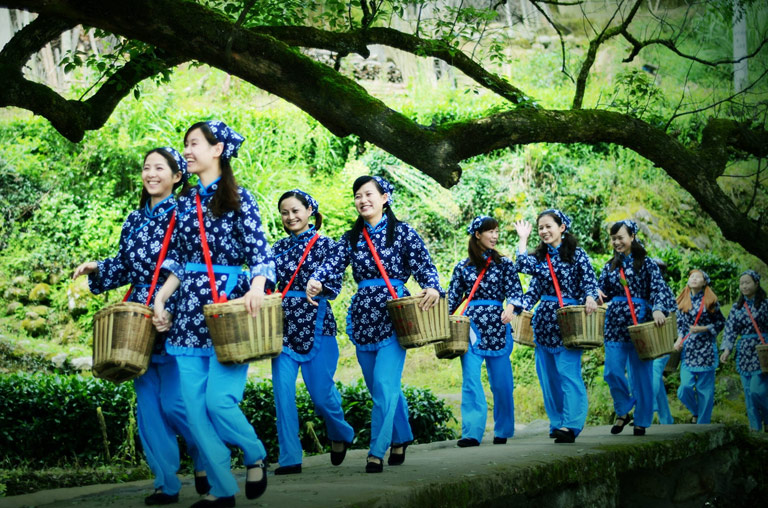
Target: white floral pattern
700, 349
739, 325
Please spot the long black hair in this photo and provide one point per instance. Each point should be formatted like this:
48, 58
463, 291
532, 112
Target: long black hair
568, 243
759, 295
357, 227
303, 201
145, 197
476, 250
227, 197
637, 250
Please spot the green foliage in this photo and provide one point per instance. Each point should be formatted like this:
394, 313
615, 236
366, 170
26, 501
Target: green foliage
40, 413
723, 273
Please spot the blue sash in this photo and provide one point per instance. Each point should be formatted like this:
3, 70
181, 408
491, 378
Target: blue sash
232, 271
496, 303
641, 305
379, 282
550, 298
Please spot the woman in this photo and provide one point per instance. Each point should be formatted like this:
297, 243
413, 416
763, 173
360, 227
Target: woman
697, 339
749, 320
309, 342
234, 237
402, 253
160, 411
491, 334
557, 262
631, 271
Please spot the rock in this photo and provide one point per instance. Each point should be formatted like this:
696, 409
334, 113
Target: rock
34, 327
20, 280
40, 310
40, 293
15, 293
55, 278
82, 363
77, 297
59, 360
13, 307
32, 315
69, 333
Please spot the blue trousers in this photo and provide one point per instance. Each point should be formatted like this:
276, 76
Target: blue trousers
211, 393
755, 387
697, 392
474, 408
641, 395
160, 417
382, 371
661, 403
318, 377
565, 396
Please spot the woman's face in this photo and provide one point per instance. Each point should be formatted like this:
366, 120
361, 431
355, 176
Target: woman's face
157, 177
295, 215
622, 240
747, 286
696, 281
200, 154
369, 202
549, 231
487, 239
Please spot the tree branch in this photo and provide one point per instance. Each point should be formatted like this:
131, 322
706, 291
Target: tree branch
638, 45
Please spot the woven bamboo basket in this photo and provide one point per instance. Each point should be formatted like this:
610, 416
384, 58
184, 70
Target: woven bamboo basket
416, 328
238, 337
579, 329
458, 343
673, 363
522, 331
653, 341
762, 355
123, 337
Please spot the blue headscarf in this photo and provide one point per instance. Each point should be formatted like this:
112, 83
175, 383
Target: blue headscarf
631, 226
224, 134
387, 187
309, 199
181, 162
477, 223
564, 219
755, 276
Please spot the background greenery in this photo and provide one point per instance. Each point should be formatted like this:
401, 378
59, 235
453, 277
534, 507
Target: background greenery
63, 203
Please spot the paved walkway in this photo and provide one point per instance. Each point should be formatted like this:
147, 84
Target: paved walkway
426, 468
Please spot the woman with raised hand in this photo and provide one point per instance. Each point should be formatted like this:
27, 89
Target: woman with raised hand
485, 279
562, 275
631, 271
697, 340
748, 320
160, 414
402, 253
219, 225
309, 341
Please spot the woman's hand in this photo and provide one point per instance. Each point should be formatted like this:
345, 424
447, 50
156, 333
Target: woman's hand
659, 318
679, 344
85, 269
601, 297
429, 298
590, 305
255, 296
724, 355
162, 318
523, 228
314, 288
698, 329
509, 314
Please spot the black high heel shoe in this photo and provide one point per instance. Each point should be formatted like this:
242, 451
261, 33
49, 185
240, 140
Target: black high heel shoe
338, 457
396, 459
256, 488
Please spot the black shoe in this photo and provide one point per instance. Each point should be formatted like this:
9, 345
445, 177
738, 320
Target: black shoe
257, 488
499, 440
396, 459
552, 435
621, 422
294, 469
639, 431
220, 502
158, 497
564, 436
201, 485
338, 457
695, 419
467, 442
374, 467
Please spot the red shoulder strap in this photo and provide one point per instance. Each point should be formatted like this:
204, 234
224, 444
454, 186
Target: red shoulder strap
555, 281
624, 283
160, 259
378, 263
754, 324
207, 254
301, 261
698, 315
465, 303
